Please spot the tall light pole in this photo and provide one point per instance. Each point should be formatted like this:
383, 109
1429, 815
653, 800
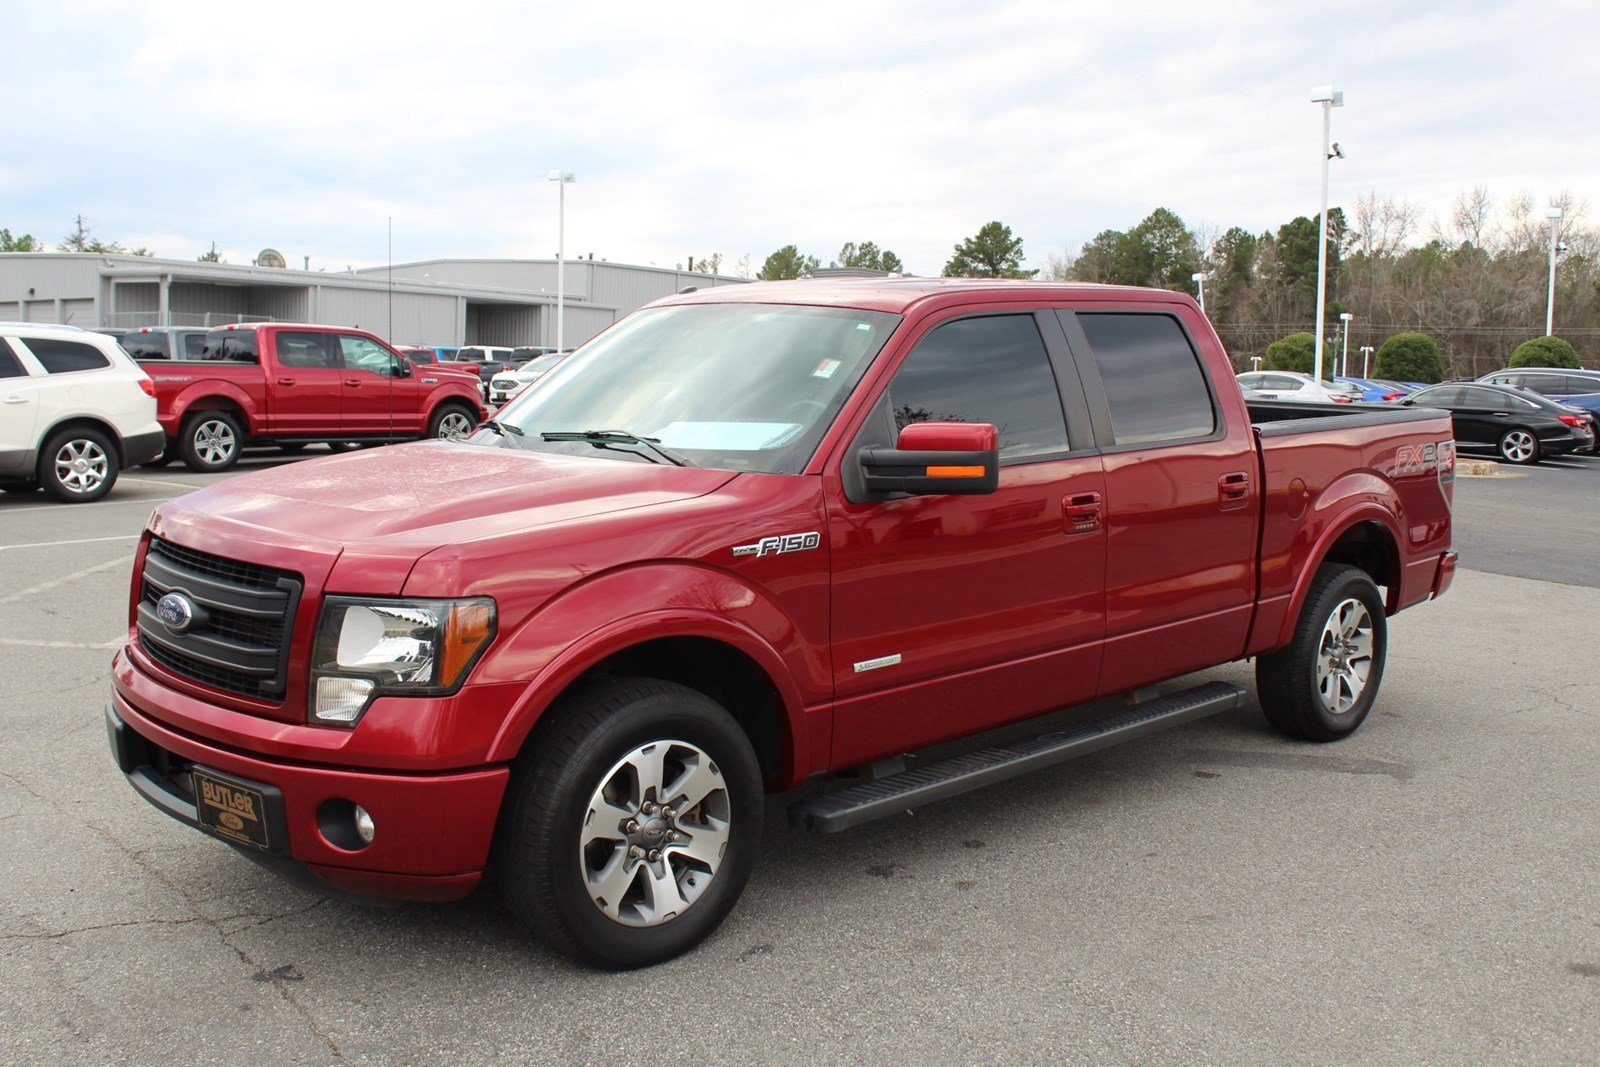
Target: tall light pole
1200, 280
1344, 328
1366, 355
1554, 215
564, 178
1329, 98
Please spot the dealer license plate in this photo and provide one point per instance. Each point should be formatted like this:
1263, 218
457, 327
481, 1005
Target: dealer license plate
232, 810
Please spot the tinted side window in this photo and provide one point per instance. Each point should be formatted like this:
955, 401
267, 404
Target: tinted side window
362, 354
1545, 383
1152, 378
231, 344
296, 349
993, 370
63, 357
1482, 398
193, 345
146, 345
1443, 397
10, 366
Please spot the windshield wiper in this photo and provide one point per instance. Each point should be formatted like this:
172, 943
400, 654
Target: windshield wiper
603, 437
502, 428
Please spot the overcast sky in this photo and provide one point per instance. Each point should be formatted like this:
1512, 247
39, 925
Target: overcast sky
740, 127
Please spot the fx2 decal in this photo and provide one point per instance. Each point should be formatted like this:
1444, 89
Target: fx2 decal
770, 546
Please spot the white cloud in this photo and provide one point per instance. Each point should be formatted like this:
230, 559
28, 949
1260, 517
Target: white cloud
739, 128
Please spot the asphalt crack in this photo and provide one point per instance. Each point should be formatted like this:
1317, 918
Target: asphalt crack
255, 966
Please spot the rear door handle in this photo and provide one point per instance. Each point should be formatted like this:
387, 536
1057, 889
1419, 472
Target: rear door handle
352, 383
1233, 490
285, 381
1081, 513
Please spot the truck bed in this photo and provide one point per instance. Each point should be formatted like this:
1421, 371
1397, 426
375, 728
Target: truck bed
1276, 418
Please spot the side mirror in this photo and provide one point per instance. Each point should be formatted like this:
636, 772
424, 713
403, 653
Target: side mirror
936, 458
402, 367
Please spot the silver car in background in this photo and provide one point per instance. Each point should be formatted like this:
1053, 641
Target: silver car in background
507, 384
1296, 387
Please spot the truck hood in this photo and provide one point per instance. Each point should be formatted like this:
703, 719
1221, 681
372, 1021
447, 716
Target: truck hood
424, 495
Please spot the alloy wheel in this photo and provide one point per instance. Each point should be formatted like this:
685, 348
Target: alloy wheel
214, 441
1518, 446
1344, 656
655, 833
81, 466
454, 427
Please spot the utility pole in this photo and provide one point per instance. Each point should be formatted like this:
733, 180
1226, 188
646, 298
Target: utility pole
1329, 98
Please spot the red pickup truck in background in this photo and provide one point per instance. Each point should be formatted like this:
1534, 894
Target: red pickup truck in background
292, 385
744, 539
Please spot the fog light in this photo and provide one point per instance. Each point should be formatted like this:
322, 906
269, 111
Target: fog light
365, 827
341, 699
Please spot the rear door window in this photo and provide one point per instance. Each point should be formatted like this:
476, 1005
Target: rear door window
1447, 396
193, 345
236, 345
60, 356
1577, 385
1152, 377
10, 365
302, 348
1547, 384
990, 369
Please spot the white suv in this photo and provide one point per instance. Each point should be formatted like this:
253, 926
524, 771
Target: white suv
74, 410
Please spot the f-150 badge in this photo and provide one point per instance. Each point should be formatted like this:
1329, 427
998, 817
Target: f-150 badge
770, 546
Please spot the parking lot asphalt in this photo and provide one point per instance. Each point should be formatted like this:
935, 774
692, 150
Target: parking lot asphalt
1425, 891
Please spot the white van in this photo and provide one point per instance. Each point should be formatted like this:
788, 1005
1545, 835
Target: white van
75, 409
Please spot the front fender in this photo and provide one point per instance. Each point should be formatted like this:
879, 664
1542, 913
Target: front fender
615, 611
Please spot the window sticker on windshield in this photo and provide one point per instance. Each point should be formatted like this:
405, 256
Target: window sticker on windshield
727, 436
826, 368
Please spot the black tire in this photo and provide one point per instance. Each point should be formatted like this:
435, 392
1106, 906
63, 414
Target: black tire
211, 441
78, 466
292, 449
1516, 442
19, 487
539, 866
168, 454
1287, 681
446, 418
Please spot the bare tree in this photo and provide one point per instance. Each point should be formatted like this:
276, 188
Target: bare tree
1383, 224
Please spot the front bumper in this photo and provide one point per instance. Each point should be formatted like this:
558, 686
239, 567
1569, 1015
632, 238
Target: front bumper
433, 830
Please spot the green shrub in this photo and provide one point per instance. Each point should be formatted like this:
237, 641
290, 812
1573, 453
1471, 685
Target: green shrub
1545, 352
1298, 353
1409, 357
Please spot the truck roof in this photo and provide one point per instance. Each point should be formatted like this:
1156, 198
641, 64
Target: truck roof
898, 295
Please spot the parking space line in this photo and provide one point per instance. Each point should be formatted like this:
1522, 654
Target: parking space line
161, 481
42, 587
17, 642
15, 508
77, 541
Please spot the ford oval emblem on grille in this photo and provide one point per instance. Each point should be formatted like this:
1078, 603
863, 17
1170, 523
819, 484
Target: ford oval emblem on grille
176, 611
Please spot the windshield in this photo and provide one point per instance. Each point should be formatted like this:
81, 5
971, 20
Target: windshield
535, 367
737, 386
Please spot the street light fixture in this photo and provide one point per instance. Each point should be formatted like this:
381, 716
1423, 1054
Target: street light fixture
565, 179
1344, 328
1554, 215
1199, 279
1366, 355
1329, 98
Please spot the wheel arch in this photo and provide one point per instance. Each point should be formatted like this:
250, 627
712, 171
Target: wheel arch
713, 655
1366, 537
80, 422
212, 396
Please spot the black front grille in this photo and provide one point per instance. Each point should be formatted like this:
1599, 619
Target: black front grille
244, 614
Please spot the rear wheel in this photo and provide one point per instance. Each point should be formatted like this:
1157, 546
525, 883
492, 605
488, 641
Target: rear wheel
1519, 446
210, 441
1321, 686
78, 466
632, 823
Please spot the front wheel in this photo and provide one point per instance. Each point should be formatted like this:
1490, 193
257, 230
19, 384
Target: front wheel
210, 441
1321, 686
452, 422
632, 823
1519, 446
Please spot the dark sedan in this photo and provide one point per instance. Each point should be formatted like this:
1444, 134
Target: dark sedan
1519, 426
1574, 388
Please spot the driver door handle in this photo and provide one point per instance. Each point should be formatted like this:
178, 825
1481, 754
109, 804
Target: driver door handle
1080, 513
16, 400
352, 383
285, 381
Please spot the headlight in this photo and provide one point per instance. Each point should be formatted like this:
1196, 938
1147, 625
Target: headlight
367, 648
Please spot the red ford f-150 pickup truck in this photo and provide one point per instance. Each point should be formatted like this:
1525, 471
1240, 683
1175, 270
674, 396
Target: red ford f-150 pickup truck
292, 385
747, 538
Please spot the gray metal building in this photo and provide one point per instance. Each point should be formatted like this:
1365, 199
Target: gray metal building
442, 301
